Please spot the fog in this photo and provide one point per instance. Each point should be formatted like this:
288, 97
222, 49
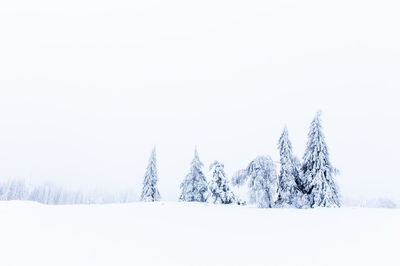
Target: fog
87, 88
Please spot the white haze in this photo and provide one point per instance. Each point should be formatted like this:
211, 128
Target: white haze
88, 87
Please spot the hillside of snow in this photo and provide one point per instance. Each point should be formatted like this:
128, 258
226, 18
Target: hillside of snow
195, 234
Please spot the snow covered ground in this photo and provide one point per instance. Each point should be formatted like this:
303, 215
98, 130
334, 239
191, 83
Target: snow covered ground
195, 234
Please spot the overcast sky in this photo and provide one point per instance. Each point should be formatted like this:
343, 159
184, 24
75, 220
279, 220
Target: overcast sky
88, 87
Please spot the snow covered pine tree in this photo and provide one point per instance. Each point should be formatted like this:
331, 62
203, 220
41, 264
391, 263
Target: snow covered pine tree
150, 190
317, 172
262, 181
289, 194
220, 191
194, 186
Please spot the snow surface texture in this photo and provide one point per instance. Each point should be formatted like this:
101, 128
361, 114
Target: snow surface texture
193, 234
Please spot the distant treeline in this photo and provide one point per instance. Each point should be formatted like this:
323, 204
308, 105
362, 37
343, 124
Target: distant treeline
370, 203
51, 194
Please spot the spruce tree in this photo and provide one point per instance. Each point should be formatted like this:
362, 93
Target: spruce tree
262, 181
194, 186
220, 191
317, 173
289, 194
150, 190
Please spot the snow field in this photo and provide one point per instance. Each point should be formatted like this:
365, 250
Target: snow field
165, 233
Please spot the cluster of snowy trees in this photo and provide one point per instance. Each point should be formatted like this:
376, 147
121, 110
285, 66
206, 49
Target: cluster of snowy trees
51, 194
195, 186
306, 184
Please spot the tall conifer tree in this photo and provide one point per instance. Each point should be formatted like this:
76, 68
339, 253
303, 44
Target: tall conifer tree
150, 190
194, 186
317, 173
289, 194
220, 191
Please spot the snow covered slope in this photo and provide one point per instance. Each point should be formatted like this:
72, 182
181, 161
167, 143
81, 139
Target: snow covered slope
195, 234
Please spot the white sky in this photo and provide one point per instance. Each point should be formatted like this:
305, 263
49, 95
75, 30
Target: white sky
88, 87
